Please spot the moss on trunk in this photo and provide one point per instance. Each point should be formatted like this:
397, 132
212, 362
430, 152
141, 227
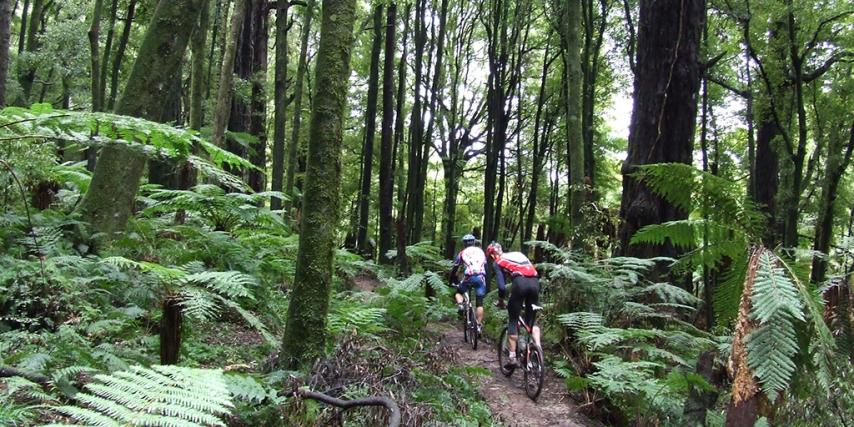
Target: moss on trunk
305, 333
109, 201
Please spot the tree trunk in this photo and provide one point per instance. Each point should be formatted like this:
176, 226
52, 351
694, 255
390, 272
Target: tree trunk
399, 119
416, 129
5, 38
225, 92
667, 81
370, 131
109, 201
120, 54
280, 101
539, 151
305, 331
574, 132
170, 331
258, 107
197, 72
29, 75
108, 50
22, 36
293, 148
386, 190
836, 165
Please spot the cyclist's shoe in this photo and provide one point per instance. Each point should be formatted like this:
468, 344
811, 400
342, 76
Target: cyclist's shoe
511, 363
479, 329
500, 304
461, 309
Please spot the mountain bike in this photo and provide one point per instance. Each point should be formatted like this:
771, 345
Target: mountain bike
529, 355
470, 327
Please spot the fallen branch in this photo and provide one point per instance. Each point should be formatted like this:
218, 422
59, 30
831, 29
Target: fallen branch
390, 405
7, 372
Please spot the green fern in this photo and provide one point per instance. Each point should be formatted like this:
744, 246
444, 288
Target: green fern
157, 396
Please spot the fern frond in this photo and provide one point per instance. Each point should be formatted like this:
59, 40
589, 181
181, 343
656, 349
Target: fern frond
232, 284
774, 295
160, 395
770, 352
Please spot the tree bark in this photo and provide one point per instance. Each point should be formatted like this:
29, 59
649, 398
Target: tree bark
666, 85
399, 119
416, 129
197, 72
5, 38
280, 101
120, 54
370, 131
29, 74
108, 50
170, 331
305, 332
302, 67
22, 36
386, 220
574, 132
258, 102
225, 91
109, 201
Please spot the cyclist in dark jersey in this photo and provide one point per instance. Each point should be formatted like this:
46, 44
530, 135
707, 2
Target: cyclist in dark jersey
525, 290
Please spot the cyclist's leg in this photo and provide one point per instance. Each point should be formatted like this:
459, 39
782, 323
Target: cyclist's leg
462, 288
514, 308
532, 297
479, 284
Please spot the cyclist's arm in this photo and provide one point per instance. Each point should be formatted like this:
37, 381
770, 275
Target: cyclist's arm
452, 276
499, 277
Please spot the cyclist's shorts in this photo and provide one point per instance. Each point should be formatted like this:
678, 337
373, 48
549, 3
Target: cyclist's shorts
477, 281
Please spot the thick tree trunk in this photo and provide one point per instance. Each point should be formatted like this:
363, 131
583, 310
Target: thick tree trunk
280, 102
258, 103
539, 152
386, 220
28, 75
302, 67
197, 72
225, 92
574, 132
5, 38
370, 131
109, 201
120, 54
305, 331
667, 81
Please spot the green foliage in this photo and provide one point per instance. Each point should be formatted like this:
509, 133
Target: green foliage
160, 395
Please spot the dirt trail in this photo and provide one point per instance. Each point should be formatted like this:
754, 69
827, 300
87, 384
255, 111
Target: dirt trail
506, 396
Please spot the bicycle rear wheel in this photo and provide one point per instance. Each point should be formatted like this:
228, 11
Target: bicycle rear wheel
534, 372
503, 349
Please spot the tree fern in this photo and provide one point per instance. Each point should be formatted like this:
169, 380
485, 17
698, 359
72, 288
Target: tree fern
157, 396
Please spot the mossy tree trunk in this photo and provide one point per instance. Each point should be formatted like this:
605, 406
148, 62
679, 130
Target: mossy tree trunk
302, 68
108, 50
22, 35
574, 133
5, 37
197, 72
258, 103
667, 82
109, 201
225, 91
280, 101
386, 196
305, 332
28, 75
416, 129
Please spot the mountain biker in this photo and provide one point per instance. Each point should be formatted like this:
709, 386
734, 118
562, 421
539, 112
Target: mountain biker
526, 289
473, 261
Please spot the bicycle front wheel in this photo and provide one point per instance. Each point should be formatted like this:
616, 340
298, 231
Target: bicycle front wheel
535, 372
503, 353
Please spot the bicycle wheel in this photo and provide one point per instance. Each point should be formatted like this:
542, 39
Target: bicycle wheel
534, 372
503, 349
472, 328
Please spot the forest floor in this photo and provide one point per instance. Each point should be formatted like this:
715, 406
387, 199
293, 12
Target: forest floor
506, 396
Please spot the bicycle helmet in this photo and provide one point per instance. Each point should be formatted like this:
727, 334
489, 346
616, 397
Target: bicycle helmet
469, 240
494, 248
